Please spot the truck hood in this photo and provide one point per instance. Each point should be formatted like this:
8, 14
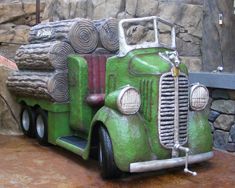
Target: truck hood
150, 64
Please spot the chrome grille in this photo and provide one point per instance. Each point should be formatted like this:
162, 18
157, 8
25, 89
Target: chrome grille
166, 117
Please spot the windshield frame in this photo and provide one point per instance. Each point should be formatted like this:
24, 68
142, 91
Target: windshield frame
124, 48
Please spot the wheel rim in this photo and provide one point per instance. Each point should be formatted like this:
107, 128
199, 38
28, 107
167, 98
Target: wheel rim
25, 120
40, 126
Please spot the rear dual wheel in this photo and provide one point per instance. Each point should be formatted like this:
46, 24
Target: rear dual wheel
34, 124
42, 127
27, 121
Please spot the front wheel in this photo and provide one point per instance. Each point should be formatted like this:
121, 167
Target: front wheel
42, 127
106, 158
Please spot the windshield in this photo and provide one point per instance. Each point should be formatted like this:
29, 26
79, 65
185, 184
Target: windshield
145, 32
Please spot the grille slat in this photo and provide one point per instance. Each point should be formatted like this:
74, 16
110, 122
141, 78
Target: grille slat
167, 109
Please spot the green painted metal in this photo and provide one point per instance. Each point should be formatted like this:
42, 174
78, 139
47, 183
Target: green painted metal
142, 69
44, 104
58, 126
111, 99
80, 113
199, 133
128, 134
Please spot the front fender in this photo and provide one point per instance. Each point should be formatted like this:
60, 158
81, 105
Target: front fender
200, 137
128, 135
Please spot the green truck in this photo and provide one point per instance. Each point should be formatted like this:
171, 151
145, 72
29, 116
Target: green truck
134, 111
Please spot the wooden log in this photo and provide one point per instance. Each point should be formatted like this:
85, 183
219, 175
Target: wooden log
44, 56
80, 33
51, 31
52, 86
108, 33
83, 36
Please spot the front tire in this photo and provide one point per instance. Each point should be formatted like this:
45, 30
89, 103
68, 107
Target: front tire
27, 121
106, 158
42, 127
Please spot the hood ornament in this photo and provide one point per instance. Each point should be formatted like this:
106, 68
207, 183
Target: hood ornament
172, 57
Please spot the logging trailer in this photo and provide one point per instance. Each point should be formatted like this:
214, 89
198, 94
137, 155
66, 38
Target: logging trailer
135, 110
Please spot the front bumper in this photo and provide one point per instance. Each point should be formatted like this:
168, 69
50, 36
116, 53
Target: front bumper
168, 163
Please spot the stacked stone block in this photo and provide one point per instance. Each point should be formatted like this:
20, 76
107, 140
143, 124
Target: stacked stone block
222, 119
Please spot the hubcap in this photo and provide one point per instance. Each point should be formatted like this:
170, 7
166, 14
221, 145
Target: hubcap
40, 126
25, 120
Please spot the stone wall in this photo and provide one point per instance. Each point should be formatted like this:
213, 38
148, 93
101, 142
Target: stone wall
222, 119
186, 14
218, 40
16, 17
9, 108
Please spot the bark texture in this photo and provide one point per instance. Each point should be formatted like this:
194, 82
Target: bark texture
80, 33
44, 56
108, 33
46, 85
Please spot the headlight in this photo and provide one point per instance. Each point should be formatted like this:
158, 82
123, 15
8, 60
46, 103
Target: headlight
199, 97
128, 101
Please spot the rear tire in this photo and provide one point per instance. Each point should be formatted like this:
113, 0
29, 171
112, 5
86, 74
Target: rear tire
107, 164
42, 127
27, 121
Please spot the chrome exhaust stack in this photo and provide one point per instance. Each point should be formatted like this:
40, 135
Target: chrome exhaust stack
186, 150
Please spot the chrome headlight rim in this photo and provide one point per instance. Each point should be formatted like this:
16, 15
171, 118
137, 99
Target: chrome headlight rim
192, 89
119, 99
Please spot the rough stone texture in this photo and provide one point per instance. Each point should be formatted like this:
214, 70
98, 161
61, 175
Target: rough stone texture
213, 115
220, 94
16, 17
231, 94
9, 109
218, 41
14, 33
224, 122
8, 51
230, 147
194, 64
224, 106
220, 139
212, 127
21, 12
232, 133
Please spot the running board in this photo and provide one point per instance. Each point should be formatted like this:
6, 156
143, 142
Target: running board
72, 143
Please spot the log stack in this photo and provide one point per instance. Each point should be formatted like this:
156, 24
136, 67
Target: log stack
43, 71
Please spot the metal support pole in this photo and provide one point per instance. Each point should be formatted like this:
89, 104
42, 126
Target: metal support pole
37, 11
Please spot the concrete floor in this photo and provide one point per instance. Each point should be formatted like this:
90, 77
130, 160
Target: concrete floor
23, 163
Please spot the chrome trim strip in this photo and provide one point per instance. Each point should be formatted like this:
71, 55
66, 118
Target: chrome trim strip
168, 163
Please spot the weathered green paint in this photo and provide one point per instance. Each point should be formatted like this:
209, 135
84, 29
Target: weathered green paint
44, 104
199, 133
142, 66
128, 134
58, 126
80, 113
111, 99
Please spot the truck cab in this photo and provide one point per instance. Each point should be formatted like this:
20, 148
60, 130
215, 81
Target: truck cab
135, 111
